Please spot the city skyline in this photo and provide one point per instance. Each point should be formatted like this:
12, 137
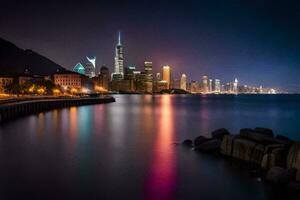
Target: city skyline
256, 42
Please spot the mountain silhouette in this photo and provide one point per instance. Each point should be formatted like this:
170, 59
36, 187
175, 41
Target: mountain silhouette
14, 60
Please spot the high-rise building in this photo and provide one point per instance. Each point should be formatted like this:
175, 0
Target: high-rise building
235, 86
104, 77
217, 86
79, 68
119, 61
205, 84
210, 85
90, 67
158, 78
194, 87
183, 82
149, 76
167, 75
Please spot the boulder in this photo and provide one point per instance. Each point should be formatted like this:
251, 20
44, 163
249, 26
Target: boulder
275, 155
200, 139
227, 144
260, 136
211, 145
278, 175
264, 131
219, 133
293, 158
248, 150
188, 143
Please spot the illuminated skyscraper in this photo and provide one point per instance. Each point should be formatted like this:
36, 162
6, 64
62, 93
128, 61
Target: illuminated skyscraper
90, 67
183, 82
149, 76
235, 86
119, 61
79, 68
167, 75
205, 84
217, 86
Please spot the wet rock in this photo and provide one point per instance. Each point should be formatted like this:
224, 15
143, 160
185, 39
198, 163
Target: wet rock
275, 155
219, 133
200, 139
261, 136
227, 144
248, 150
188, 143
293, 158
209, 146
278, 176
264, 131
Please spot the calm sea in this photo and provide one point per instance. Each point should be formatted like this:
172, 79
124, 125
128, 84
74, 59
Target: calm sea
125, 150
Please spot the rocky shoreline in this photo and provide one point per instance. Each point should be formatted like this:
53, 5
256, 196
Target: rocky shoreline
274, 159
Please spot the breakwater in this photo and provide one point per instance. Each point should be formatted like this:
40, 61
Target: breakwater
275, 159
13, 109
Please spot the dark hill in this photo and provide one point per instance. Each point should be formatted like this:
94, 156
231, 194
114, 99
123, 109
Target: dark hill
14, 60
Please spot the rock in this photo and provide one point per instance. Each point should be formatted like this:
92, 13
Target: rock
261, 137
211, 145
200, 139
248, 150
264, 131
227, 144
188, 143
278, 175
293, 158
219, 133
274, 156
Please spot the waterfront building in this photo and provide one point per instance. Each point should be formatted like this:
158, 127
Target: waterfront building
67, 79
205, 84
217, 86
5, 81
183, 82
90, 67
160, 85
167, 75
118, 73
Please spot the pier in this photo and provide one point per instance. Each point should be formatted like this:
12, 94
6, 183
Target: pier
14, 108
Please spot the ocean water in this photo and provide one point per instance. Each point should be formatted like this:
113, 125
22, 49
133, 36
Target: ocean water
126, 149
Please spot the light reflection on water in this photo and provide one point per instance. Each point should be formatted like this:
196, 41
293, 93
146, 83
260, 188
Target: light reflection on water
125, 149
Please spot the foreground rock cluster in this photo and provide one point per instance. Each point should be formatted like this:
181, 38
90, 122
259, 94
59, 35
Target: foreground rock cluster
277, 158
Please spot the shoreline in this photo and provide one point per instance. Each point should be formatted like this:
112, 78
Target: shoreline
14, 108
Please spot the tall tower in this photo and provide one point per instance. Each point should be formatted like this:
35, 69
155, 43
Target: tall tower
167, 75
90, 69
119, 60
183, 82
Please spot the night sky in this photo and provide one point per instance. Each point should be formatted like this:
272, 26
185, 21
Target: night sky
256, 41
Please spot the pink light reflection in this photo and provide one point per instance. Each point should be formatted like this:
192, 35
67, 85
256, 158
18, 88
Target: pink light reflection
161, 182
